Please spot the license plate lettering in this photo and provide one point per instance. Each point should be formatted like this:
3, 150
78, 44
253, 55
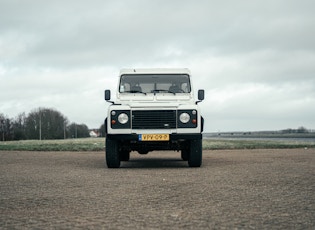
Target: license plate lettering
154, 137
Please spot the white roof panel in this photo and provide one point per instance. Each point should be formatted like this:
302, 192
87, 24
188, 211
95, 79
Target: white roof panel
156, 71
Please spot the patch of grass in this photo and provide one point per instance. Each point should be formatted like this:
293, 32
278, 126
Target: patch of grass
254, 144
98, 144
81, 144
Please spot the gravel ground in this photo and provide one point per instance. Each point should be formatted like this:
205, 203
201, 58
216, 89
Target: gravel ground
238, 189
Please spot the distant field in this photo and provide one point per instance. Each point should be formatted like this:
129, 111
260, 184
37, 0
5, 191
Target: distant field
98, 144
259, 135
81, 144
255, 144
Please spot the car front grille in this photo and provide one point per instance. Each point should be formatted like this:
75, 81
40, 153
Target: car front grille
154, 119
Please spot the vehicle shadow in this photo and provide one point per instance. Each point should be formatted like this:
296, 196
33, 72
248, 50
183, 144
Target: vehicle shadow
154, 163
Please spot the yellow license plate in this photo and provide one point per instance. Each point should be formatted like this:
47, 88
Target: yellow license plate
154, 137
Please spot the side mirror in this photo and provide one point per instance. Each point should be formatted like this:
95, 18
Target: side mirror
107, 95
201, 94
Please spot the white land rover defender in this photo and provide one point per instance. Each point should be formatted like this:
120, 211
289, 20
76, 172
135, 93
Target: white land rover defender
155, 109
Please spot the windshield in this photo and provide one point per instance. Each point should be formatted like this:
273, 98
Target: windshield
154, 83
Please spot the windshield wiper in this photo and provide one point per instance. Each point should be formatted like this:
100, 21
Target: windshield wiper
135, 91
161, 90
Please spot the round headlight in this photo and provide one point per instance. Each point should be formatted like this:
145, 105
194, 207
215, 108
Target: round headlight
184, 117
123, 118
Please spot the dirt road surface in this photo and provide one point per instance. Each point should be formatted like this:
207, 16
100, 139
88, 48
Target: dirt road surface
234, 189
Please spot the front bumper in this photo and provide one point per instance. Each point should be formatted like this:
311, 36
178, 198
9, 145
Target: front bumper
173, 137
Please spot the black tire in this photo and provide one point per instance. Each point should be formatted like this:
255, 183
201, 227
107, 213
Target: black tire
195, 154
143, 152
112, 154
124, 155
185, 154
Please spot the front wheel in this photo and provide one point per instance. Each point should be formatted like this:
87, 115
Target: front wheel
195, 154
112, 154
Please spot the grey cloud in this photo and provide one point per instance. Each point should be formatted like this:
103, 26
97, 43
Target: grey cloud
68, 30
227, 44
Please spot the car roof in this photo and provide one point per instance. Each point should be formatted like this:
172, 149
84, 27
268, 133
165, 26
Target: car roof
156, 71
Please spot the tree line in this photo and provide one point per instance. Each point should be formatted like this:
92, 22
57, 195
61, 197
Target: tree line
40, 124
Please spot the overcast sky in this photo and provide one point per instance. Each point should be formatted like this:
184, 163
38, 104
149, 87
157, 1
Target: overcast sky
255, 59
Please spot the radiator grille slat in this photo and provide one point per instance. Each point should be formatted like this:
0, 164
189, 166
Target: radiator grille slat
154, 119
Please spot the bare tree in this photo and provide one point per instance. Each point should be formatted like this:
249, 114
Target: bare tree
5, 128
18, 127
44, 123
78, 130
